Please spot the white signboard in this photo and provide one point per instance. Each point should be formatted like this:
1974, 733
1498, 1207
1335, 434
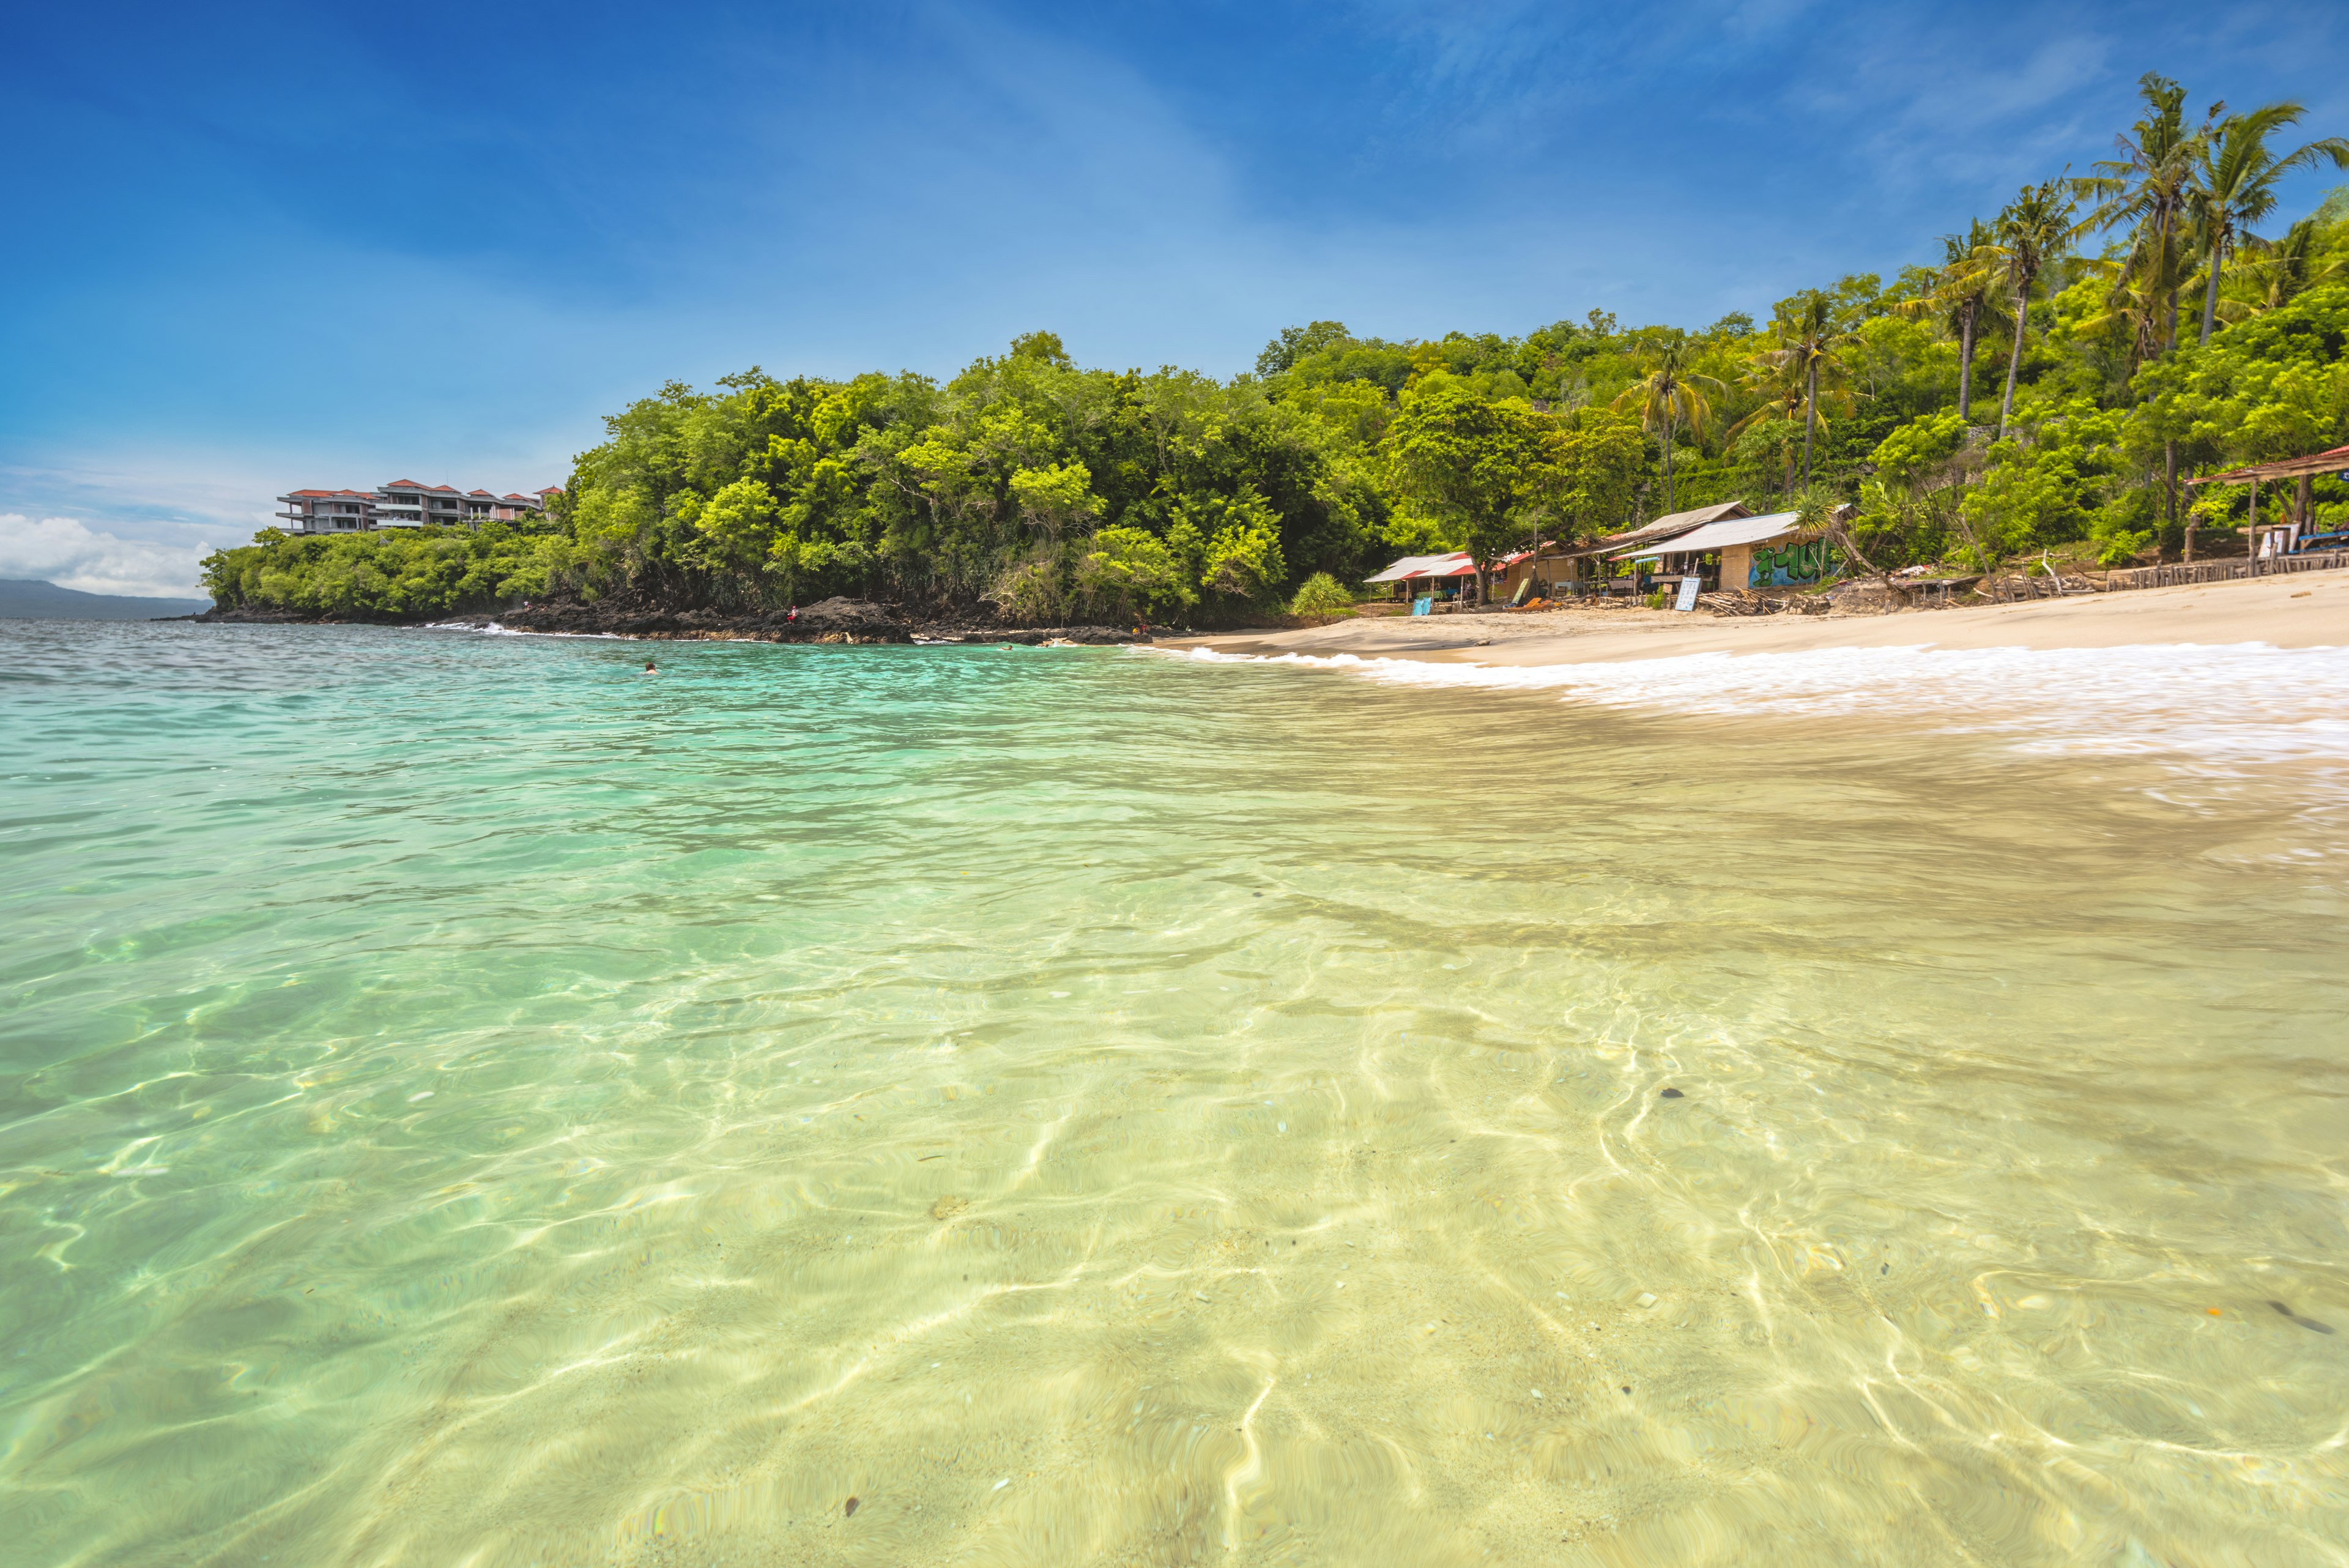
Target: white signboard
1689, 587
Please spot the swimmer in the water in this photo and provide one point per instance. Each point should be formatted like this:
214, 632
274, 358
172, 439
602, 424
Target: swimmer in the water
648, 668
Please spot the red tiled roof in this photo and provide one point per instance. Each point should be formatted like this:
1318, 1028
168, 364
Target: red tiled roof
512, 495
403, 485
480, 492
317, 493
551, 490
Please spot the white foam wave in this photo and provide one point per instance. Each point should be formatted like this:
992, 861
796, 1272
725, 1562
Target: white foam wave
491, 629
2239, 703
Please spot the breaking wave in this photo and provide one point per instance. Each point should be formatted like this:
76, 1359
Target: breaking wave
2239, 703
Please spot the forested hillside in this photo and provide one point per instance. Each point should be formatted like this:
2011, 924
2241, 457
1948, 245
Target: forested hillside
2043, 386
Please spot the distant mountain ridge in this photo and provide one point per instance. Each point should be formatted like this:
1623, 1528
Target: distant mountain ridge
29, 599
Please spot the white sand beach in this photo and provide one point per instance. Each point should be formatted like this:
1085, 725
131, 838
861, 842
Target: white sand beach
2306, 609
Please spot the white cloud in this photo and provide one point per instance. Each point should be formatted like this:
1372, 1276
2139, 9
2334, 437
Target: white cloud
63, 551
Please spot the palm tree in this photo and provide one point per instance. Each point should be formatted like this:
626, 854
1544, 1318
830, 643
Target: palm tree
2146, 189
2032, 230
2135, 303
1817, 506
1781, 392
1812, 341
2292, 266
1669, 393
2235, 178
1965, 298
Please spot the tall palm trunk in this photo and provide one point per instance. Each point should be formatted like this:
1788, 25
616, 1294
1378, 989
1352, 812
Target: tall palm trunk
1810, 417
2210, 294
1966, 362
2170, 341
2014, 359
1668, 423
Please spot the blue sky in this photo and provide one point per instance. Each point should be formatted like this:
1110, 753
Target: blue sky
262, 246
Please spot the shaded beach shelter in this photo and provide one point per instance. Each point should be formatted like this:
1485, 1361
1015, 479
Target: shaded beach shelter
1433, 571
2299, 528
1773, 551
1671, 525
1510, 571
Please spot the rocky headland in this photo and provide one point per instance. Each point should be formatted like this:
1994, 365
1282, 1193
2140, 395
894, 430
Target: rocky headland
832, 620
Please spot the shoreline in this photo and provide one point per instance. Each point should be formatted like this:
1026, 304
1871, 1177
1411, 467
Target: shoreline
834, 621
2298, 611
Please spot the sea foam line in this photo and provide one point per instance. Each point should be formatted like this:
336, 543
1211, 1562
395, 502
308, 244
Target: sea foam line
2235, 702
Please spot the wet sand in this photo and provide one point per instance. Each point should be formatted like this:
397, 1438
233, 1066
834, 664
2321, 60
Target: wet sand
2303, 611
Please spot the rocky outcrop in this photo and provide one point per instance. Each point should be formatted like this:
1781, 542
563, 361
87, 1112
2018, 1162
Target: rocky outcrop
1038, 637
247, 615
832, 620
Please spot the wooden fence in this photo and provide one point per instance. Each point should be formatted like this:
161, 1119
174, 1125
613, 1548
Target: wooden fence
2182, 573
2039, 586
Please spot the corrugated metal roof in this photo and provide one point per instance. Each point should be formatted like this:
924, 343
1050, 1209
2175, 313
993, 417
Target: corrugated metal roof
1458, 563
2285, 468
1669, 526
1719, 536
1680, 521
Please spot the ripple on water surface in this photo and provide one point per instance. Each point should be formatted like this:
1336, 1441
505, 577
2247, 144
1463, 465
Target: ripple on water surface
463, 1100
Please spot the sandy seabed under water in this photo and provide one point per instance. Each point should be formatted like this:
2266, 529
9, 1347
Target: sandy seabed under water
1061, 1105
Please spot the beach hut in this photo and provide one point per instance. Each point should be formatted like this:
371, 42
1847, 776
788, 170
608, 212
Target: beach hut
2298, 533
1431, 577
1584, 567
1749, 552
1508, 576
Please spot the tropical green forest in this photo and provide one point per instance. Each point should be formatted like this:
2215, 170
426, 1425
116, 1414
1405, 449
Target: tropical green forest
2039, 390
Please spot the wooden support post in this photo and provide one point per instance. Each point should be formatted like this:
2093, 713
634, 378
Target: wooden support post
2253, 535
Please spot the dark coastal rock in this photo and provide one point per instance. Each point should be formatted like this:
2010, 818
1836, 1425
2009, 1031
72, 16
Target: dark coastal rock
837, 619
1038, 636
244, 614
833, 620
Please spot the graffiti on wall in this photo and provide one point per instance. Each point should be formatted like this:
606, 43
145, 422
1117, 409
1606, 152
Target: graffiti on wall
1786, 566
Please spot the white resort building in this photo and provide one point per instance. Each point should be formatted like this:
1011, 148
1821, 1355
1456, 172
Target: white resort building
402, 504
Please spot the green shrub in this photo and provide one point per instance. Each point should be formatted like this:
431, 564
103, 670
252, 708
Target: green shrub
1321, 600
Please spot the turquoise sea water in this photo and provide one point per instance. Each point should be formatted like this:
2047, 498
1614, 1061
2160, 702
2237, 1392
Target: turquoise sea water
464, 1101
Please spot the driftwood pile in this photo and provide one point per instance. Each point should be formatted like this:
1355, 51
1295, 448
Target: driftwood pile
1745, 601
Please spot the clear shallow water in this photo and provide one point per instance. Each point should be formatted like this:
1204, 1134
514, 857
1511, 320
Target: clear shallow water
462, 1101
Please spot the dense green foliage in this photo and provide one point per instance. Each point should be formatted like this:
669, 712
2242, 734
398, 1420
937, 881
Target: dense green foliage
1060, 494
395, 572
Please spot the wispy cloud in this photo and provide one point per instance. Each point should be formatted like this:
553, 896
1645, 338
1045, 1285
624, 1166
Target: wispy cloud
64, 551
460, 292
